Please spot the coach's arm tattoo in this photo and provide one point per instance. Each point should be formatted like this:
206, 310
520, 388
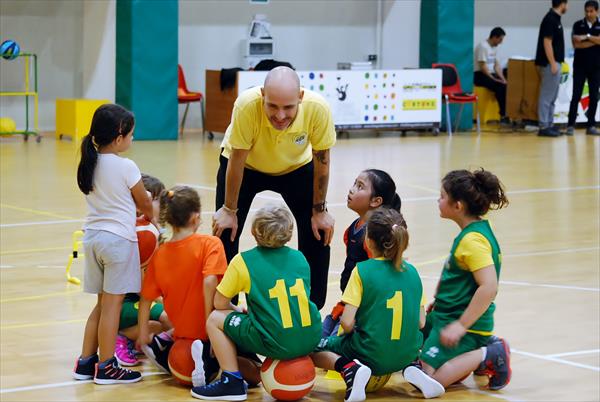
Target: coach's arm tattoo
321, 176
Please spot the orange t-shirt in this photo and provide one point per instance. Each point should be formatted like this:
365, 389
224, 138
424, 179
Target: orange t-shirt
176, 272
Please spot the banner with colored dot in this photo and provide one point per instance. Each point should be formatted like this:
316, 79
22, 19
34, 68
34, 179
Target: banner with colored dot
374, 98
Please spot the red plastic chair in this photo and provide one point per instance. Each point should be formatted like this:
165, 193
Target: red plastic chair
185, 96
452, 93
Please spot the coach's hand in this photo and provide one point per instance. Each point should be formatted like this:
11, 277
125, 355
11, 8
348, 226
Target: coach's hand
322, 221
224, 219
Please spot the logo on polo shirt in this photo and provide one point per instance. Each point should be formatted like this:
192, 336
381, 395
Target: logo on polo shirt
300, 139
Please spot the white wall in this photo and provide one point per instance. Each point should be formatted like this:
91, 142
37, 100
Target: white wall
53, 30
314, 34
401, 22
521, 20
75, 40
99, 49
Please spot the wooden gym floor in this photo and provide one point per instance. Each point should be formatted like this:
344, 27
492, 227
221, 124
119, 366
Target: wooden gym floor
548, 305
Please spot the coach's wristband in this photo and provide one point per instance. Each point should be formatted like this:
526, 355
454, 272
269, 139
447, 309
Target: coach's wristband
231, 211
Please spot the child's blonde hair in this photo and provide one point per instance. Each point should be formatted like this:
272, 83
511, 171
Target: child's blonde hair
272, 226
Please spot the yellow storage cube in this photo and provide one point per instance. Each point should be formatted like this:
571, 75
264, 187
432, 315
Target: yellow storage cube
488, 105
74, 117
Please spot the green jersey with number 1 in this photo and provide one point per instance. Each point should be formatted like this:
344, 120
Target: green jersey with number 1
387, 321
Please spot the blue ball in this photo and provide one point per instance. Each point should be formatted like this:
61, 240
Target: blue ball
9, 49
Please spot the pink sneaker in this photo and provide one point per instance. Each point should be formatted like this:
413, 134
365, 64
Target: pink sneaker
123, 354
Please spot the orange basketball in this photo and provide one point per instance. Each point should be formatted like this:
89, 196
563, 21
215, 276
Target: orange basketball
181, 362
147, 235
288, 380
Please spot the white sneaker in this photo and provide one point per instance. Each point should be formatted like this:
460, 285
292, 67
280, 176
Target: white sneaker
429, 387
356, 377
198, 376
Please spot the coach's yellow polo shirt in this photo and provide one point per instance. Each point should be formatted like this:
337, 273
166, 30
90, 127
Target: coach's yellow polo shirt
278, 152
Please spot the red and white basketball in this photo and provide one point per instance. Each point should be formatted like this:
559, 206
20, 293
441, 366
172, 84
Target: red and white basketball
147, 235
181, 362
288, 380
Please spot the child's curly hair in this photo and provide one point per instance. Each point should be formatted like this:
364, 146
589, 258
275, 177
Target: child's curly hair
272, 226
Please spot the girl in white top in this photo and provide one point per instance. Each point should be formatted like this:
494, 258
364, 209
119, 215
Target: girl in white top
113, 187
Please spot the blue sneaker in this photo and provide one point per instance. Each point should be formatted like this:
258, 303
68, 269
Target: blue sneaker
84, 370
481, 370
228, 388
497, 364
110, 372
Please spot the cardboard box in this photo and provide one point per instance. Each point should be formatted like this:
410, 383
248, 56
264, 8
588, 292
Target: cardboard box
523, 90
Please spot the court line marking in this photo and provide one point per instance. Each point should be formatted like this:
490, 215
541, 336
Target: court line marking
515, 283
577, 353
35, 211
267, 197
42, 324
530, 284
37, 297
61, 222
494, 395
521, 191
35, 250
550, 252
555, 360
60, 384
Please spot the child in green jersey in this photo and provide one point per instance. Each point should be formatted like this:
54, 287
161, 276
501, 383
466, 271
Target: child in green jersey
281, 321
381, 319
461, 319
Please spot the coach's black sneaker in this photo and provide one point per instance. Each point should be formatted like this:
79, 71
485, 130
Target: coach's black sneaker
109, 372
158, 352
497, 364
356, 376
416, 377
481, 370
84, 368
228, 388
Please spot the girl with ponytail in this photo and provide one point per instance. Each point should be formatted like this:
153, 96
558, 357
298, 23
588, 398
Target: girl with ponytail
460, 321
383, 313
113, 189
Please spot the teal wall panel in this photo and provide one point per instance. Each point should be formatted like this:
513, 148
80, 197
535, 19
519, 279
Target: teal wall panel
447, 37
146, 65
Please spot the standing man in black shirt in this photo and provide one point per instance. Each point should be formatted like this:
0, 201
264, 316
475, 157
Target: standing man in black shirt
586, 41
550, 54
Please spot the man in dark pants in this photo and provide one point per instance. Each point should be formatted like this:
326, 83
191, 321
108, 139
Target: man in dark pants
550, 53
279, 140
586, 66
488, 72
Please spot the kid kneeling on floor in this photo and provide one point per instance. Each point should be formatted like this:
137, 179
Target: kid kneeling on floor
461, 319
281, 321
383, 313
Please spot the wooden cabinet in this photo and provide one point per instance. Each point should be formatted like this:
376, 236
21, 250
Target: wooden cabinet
219, 104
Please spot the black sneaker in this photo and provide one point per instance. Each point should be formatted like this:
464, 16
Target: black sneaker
429, 387
85, 371
112, 373
497, 364
228, 388
592, 131
548, 132
158, 352
356, 376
